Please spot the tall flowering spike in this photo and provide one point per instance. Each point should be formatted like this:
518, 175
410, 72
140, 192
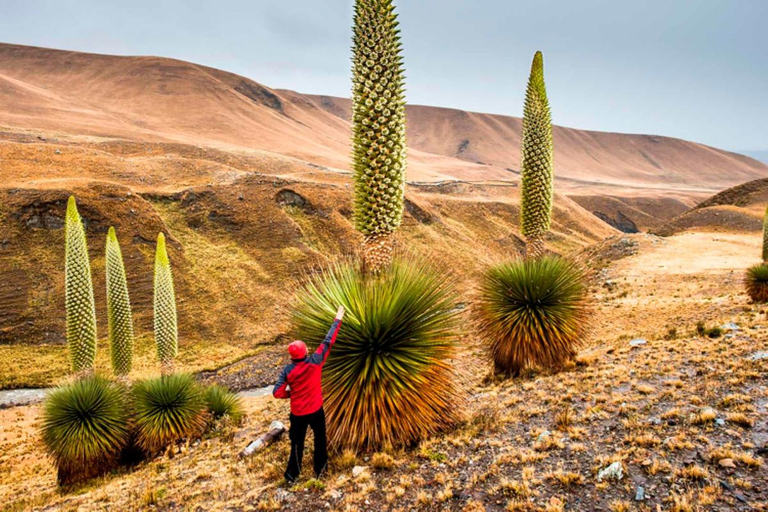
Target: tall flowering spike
119, 317
78, 289
765, 237
166, 332
537, 167
378, 128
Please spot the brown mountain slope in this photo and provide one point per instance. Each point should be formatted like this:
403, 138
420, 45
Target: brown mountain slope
586, 158
738, 208
157, 99
250, 184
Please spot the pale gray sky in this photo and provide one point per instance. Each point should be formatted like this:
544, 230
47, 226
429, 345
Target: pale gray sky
695, 69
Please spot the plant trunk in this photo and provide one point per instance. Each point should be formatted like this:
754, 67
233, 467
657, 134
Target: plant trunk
167, 367
377, 252
84, 373
534, 247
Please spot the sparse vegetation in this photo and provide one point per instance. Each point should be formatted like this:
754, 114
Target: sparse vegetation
393, 383
222, 402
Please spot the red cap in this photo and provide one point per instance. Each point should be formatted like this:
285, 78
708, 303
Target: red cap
297, 350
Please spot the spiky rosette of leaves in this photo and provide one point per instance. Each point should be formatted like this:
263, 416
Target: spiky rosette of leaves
378, 128
166, 330
222, 402
78, 289
167, 409
84, 428
119, 316
765, 236
756, 282
537, 166
388, 379
533, 313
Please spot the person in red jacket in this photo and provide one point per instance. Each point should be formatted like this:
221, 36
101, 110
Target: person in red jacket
300, 381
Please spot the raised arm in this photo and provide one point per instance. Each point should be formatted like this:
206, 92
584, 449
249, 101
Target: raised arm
321, 354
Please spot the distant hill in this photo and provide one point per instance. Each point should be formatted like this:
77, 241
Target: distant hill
761, 156
158, 99
740, 208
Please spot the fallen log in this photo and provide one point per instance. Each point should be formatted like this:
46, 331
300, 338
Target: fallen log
276, 430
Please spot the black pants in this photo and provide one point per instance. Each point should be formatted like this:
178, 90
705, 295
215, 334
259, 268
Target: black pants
298, 432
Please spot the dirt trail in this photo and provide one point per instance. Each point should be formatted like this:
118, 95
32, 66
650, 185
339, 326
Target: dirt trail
673, 283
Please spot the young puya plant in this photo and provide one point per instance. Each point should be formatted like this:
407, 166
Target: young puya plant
171, 406
378, 121
534, 312
85, 423
756, 280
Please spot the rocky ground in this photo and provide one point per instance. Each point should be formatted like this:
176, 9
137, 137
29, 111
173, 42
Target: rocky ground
665, 409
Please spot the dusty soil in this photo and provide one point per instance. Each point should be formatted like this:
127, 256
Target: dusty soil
534, 443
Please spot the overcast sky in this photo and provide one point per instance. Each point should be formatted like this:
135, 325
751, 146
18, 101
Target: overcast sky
695, 69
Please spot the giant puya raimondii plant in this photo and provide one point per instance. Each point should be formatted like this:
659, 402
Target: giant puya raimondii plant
119, 317
78, 290
534, 312
537, 165
378, 120
166, 330
400, 327
756, 280
85, 423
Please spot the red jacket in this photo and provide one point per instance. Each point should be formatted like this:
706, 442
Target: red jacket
304, 378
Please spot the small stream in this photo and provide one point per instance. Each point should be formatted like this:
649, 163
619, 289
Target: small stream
17, 397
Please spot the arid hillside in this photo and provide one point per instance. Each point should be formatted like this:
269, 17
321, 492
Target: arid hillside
253, 189
156, 99
681, 405
243, 227
739, 208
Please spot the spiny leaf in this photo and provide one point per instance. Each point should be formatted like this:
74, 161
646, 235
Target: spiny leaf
389, 379
756, 282
167, 409
533, 313
222, 402
85, 425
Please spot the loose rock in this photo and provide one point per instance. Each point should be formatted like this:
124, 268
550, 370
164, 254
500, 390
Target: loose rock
613, 472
